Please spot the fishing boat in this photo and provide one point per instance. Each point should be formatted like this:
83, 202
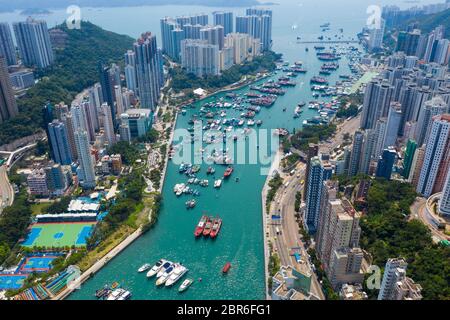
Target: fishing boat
200, 226
208, 227
144, 267
176, 275
228, 172
190, 204
210, 170
216, 228
226, 267
156, 268
165, 267
185, 285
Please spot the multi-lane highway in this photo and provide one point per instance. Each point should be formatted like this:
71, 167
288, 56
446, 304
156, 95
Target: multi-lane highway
6, 190
289, 236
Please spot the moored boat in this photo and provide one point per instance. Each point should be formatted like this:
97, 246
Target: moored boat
144, 267
176, 275
217, 223
185, 285
200, 226
228, 172
156, 268
208, 227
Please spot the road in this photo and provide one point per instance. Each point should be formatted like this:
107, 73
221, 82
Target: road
6, 190
348, 126
419, 211
290, 237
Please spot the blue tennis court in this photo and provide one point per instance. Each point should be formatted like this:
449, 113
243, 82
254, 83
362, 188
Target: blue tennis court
36, 264
11, 281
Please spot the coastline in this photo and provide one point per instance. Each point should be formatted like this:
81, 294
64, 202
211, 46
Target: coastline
265, 216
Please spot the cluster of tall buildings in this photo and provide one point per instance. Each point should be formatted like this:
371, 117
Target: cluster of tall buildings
334, 223
50, 180
207, 49
432, 47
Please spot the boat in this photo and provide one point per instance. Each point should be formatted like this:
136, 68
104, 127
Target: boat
165, 267
217, 223
218, 183
190, 204
258, 122
176, 275
185, 285
144, 267
226, 267
210, 170
114, 285
228, 172
119, 294
156, 268
200, 226
208, 227
103, 292
163, 278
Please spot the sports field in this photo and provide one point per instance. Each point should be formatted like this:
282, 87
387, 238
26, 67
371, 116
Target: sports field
36, 264
11, 281
58, 234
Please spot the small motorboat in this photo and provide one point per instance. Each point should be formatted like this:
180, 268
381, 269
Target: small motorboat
144, 267
185, 285
226, 267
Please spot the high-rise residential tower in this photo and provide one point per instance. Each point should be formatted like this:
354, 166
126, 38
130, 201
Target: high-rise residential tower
7, 48
8, 105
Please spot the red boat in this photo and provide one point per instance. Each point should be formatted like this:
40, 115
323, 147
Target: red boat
201, 226
226, 267
228, 172
217, 223
208, 227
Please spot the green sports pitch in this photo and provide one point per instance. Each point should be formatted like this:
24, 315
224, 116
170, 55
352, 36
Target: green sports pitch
58, 234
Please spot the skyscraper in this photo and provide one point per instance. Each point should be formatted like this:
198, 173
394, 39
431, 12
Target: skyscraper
444, 202
257, 23
225, 19
200, 58
213, 35
107, 81
355, 157
376, 37
59, 141
411, 147
319, 171
7, 48
130, 70
436, 153
106, 115
393, 125
86, 171
313, 151
148, 70
8, 106
386, 163
393, 272
429, 109
34, 43
377, 99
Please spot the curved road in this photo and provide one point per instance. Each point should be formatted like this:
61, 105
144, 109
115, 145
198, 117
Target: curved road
6, 190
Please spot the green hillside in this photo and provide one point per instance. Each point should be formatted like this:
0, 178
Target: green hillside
75, 68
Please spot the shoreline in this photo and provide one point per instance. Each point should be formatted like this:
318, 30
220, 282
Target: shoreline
275, 166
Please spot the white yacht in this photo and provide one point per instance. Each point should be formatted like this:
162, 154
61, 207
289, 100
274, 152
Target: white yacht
156, 268
119, 294
176, 275
163, 278
144, 267
165, 266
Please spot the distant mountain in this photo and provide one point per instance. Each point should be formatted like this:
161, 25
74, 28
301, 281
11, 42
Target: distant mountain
60, 4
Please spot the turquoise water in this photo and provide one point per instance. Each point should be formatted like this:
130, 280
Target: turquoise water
239, 204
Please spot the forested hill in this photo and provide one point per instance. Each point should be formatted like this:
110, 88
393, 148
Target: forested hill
428, 22
75, 68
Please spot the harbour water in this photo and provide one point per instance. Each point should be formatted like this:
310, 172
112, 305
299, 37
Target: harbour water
238, 203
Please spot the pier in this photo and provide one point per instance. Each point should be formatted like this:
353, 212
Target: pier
328, 42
